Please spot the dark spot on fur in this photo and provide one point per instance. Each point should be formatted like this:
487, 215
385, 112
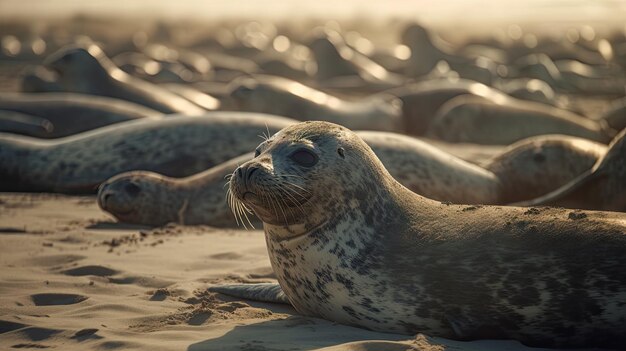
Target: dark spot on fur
577, 215
532, 211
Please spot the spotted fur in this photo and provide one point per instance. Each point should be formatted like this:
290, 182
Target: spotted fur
175, 147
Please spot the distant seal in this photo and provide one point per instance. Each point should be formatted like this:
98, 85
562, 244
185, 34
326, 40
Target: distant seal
285, 97
422, 100
86, 69
473, 119
350, 244
603, 187
336, 60
71, 113
176, 147
153, 199
535, 166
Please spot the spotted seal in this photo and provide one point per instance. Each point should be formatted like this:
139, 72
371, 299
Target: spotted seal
285, 97
476, 120
150, 198
70, 113
600, 188
86, 69
348, 243
178, 147
153, 199
535, 166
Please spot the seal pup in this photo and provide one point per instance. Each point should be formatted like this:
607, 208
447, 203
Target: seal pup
351, 245
474, 119
535, 166
603, 187
70, 113
86, 69
285, 97
152, 199
175, 147
149, 198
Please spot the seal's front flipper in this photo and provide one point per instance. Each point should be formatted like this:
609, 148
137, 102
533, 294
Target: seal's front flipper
265, 292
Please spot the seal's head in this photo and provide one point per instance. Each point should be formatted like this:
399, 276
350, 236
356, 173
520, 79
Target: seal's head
79, 62
135, 197
298, 175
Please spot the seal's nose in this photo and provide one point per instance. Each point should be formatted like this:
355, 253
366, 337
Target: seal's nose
245, 172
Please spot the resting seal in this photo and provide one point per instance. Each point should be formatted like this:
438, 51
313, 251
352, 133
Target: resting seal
350, 244
88, 70
285, 97
178, 146
603, 187
474, 119
535, 166
71, 113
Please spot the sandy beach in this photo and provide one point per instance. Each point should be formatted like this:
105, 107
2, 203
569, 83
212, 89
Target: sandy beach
73, 278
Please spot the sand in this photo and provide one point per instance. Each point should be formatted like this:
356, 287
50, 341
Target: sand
74, 279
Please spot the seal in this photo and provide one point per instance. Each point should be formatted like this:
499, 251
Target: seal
176, 147
422, 100
87, 70
476, 120
335, 60
285, 97
152, 199
352, 245
70, 113
428, 50
535, 166
600, 188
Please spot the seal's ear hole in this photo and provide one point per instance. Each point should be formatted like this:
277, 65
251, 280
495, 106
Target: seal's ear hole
341, 151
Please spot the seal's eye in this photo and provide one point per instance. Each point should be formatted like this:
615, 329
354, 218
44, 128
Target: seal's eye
304, 157
257, 152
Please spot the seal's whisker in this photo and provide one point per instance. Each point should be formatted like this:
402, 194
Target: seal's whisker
295, 201
231, 204
292, 188
297, 186
281, 208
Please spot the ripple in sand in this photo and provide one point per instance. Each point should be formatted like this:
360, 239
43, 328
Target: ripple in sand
51, 299
99, 271
38, 334
6, 326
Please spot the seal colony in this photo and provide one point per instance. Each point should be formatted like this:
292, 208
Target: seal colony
350, 244
522, 171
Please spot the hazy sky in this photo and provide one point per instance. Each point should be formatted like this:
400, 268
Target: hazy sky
427, 10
